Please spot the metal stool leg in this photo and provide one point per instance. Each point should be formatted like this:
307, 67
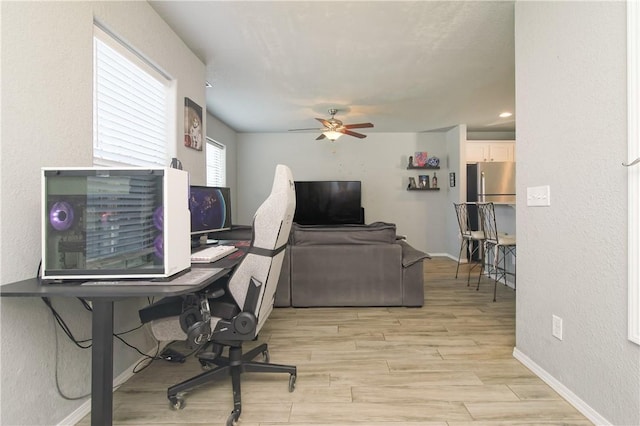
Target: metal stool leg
460, 256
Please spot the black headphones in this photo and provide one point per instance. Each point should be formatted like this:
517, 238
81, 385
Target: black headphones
195, 323
189, 317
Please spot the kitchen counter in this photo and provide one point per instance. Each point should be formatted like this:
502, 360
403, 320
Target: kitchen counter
506, 218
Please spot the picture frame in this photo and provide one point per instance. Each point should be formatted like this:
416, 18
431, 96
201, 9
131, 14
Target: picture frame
420, 159
193, 129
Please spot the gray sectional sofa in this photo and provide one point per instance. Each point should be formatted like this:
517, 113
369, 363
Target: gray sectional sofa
350, 265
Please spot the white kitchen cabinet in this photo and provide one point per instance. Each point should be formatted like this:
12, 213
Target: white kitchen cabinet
483, 151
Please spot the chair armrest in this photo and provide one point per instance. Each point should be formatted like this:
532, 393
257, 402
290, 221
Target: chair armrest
215, 294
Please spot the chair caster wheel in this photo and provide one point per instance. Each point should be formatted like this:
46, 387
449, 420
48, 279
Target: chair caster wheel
292, 382
232, 420
176, 403
265, 356
205, 365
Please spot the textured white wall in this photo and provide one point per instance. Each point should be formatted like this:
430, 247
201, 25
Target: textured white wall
47, 73
379, 161
572, 259
456, 142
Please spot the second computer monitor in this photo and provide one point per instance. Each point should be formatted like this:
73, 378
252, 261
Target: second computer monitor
210, 209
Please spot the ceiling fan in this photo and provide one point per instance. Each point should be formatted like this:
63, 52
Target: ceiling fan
334, 128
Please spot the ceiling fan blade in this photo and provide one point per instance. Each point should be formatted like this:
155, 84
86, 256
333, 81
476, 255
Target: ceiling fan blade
324, 122
350, 133
358, 126
315, 128
322, 136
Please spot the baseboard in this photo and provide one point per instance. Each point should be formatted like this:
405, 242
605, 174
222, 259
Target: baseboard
84, 409
510, 283
447, 255
455, 258
561, 389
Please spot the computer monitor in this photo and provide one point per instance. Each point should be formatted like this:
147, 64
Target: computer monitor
210, 209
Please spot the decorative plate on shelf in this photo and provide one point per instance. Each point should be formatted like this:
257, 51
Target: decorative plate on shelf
433, 161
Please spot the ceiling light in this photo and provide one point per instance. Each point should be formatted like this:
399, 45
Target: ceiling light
332, 135
505, 115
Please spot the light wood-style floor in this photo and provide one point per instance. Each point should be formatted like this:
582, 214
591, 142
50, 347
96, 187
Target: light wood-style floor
447, 363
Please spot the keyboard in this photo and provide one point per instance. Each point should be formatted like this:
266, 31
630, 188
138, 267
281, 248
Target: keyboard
211, 254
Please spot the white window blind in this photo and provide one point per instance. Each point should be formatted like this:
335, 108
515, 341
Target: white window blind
130, 107
216, 163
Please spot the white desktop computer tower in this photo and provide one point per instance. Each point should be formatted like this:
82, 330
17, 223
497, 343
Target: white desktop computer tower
114, 223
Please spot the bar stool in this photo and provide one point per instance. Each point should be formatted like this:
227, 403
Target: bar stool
468, 237
499, 244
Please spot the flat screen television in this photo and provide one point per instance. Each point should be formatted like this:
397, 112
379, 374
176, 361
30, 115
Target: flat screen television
328, 203
210, 209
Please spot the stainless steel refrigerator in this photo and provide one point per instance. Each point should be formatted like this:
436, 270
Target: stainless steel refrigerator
489, 182
492, 182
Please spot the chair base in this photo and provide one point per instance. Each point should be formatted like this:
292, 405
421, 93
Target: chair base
500, 272
233, 365
472, 251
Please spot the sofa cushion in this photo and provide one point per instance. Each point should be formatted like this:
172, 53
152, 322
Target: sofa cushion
346, 275
374, 233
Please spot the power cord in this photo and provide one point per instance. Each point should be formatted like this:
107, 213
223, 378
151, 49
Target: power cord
64, 327
59, 389
172, 356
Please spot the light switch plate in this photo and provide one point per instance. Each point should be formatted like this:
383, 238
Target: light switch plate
539, 196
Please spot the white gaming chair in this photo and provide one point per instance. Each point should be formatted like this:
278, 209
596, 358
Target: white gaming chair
226, 320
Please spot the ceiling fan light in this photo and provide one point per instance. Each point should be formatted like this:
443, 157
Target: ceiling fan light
332, 135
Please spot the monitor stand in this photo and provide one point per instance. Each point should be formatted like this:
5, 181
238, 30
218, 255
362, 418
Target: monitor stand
195, 242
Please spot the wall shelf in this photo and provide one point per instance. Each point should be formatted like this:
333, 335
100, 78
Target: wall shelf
423, 167
423, 189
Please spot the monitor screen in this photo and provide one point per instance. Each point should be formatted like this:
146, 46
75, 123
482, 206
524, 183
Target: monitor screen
210, 209
328, 203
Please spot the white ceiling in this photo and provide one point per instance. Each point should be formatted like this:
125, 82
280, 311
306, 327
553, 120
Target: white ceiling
403, 66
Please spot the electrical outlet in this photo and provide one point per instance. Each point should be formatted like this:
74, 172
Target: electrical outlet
557, 327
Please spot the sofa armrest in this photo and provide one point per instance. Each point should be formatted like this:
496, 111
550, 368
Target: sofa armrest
411, 255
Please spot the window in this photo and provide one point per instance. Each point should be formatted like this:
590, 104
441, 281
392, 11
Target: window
633, 81
130, 111
216, 163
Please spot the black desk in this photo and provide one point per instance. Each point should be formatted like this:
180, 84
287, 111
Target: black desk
102, 297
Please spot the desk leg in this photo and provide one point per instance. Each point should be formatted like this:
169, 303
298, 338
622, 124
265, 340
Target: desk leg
102, 363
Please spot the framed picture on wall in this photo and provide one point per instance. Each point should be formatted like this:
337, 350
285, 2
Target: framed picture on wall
193, 134
420, 159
